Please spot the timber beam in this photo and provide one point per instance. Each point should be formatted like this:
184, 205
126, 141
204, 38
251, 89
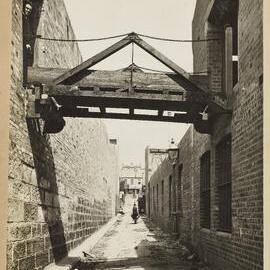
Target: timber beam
72, 73
84, 113
74, 101
120, 79
53, 103
140, 98
108, 81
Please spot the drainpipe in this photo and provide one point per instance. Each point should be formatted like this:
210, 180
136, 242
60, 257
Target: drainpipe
228, 82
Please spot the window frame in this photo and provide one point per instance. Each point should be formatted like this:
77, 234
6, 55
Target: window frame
224, 183
205, 190
170, 195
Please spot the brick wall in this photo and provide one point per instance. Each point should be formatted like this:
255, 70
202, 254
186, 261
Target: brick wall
185, 181
62, 187
242, 248
156, 213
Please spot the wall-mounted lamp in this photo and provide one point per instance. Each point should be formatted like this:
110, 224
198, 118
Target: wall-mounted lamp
173, 152
204, 114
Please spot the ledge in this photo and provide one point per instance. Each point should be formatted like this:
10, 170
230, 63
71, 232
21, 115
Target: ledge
224, 234
205, 230
217, 233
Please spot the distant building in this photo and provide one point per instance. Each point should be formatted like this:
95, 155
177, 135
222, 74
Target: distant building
131, 179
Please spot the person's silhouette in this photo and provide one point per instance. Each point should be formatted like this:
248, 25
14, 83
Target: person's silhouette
135, 213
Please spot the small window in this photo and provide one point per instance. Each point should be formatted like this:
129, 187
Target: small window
224, 179
154, 208
205, 194
162, 197
157, 198
170, 195
149, 199
180, 170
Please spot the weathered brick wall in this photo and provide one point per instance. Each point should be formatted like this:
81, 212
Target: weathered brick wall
243, 247
159, 216
186, 182
62, 187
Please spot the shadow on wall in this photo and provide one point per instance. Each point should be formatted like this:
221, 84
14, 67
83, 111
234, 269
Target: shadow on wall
48, 190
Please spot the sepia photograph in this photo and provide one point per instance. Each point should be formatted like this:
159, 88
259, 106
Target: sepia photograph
135, 135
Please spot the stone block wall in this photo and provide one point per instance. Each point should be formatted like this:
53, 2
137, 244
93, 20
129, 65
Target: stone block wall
62, 187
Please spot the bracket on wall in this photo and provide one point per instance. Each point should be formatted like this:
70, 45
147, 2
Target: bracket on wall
41, 106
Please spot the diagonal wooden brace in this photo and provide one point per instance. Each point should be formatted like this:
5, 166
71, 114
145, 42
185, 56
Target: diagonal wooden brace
93, 60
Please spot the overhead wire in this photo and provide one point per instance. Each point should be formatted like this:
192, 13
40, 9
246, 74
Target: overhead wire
80, 40
177, 40
170, 72
123, 35
132, 57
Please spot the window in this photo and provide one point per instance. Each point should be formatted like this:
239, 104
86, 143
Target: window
180, 169
149, 199
170, 194
205, 190
153, 199
162, 197
223, 175
157, 199
174, 191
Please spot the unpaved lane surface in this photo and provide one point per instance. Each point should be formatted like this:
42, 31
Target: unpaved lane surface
136, 246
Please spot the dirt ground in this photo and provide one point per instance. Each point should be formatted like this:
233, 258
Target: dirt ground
140, 246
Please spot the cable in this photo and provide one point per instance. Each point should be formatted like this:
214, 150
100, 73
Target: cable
170, 72
80, 40
122, 35
155, 70
177, 40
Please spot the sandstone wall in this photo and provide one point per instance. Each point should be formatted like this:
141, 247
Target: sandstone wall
62, 187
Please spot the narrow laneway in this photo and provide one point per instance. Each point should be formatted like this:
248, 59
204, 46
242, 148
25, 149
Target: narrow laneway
137, 246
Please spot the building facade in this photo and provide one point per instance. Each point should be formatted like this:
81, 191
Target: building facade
131, 179
213, 196
61, 187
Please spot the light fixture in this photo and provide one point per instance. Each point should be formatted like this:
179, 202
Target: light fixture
204, 114
173, 152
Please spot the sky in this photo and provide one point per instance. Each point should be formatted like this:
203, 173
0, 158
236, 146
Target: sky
170, 19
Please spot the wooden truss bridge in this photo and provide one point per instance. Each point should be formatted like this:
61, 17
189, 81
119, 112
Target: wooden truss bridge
129, 93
